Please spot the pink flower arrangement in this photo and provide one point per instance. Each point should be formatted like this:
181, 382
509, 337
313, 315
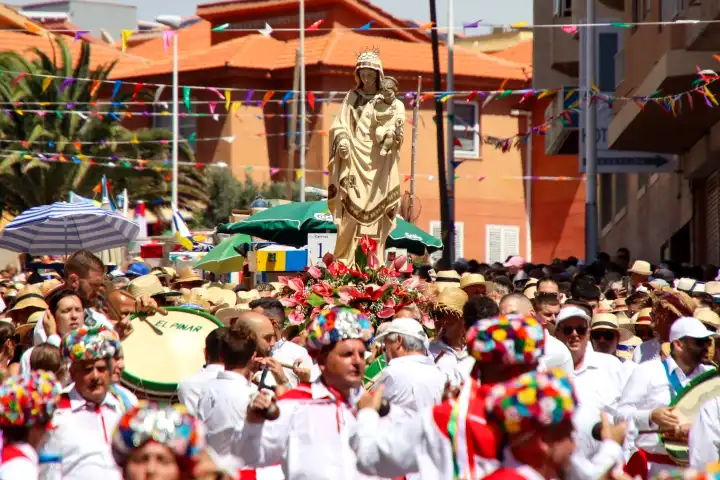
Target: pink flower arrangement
369, 286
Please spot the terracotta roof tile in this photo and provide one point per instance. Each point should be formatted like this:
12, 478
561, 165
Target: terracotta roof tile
521, 52
337, 48
100, 54
70, 30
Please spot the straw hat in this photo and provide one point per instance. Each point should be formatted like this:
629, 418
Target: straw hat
244, 298
712, 288
450, 299
226, 314
530, 288
164, 272
625, 349
608, 321
470, 279
149, 286
220, 296
685, 284
643, 317
641, 267
48, 287
33, 320
189, 275
708, 317
29, 297
446, 278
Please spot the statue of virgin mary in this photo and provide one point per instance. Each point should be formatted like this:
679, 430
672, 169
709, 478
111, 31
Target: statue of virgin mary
364, 185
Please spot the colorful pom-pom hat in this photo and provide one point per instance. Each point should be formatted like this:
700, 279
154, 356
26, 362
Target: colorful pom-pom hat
531, 401
171, 426
506, 340
29, 400
335, 324
90, 344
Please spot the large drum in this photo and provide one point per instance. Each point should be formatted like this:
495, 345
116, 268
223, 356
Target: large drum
373, 371
687, 405
165, 349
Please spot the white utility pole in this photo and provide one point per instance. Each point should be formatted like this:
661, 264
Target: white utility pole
303, 133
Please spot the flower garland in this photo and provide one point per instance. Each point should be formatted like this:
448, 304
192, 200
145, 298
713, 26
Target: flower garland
374, 289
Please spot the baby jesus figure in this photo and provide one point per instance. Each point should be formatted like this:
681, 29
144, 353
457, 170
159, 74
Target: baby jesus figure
389, 129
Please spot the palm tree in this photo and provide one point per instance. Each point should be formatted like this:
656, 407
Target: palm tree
28, 178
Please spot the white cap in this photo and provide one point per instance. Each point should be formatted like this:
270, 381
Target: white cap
689, 327
405, 326
572, 312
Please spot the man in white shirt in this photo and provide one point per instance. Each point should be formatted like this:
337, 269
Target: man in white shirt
654, 385
556, 354
704, 444
317, 418
284, 351
411, 379
606, 335
599, 377
85, 420
224, 399
190, 389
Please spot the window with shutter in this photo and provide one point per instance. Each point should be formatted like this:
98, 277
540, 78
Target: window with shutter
501, 242
436, 231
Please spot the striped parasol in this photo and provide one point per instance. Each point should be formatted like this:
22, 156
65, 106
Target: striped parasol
64, 228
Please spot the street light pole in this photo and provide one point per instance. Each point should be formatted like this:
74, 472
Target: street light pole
591, 210
303, 132
174, 22
450, 130
175, 127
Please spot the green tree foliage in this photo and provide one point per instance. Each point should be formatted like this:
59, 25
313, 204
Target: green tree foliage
227, 194
41, 160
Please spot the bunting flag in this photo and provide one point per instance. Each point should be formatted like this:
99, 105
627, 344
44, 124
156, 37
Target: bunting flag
311, 100
125, 36
315, 25
266, 31
182, 232
167, 37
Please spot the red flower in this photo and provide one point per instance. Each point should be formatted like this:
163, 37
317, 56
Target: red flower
315, 272
386, 312
369, 293
373, 262
359, 274
323, 289
368, 245
338, 269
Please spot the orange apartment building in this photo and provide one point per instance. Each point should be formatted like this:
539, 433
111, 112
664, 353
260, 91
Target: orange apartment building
662, 216
497, 212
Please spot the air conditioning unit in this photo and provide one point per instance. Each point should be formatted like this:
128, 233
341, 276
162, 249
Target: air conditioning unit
562, 136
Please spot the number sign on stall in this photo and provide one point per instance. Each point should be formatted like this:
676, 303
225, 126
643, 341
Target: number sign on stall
318, 245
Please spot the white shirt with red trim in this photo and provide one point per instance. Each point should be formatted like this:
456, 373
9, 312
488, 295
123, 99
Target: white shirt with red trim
309, 439
19, 462
422, 445
81, 433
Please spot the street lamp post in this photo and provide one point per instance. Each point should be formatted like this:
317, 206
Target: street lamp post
174, 22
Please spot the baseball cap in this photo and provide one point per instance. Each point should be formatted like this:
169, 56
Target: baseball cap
405, 326
689, 327
571, 312
137, 270
515, 261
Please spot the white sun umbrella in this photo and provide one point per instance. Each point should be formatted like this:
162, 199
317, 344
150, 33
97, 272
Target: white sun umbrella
63, 228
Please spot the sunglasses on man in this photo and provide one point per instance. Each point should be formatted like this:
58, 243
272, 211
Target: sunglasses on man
607, 335
568, 330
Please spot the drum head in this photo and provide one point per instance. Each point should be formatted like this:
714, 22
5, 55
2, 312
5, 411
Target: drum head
154, 363
687, 405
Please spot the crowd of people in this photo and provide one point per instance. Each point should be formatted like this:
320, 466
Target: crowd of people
560, 371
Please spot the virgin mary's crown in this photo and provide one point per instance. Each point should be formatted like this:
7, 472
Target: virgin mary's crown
369, 58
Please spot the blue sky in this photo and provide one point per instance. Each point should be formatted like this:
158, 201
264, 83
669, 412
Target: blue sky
505, 11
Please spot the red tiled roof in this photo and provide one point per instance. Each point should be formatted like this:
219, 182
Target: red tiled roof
337, 48
63, 27
521, 52
100, 53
